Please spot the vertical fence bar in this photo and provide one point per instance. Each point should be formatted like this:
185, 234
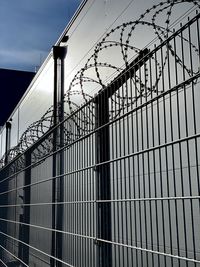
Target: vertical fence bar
179, 147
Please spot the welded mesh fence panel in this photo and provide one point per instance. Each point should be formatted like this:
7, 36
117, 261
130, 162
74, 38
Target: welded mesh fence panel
155, 160
41, 214
117, 182
80, 190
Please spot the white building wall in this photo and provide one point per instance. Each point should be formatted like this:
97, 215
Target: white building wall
95, 19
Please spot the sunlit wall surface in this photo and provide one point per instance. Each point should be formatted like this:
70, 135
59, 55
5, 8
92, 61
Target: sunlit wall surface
34, 104
93, 22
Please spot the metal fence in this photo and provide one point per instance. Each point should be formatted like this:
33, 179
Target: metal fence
116, 183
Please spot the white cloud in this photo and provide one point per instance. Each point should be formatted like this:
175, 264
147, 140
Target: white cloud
29, 59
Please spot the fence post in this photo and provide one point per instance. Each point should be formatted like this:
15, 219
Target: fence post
104, 221
103, 181
59, 53
8, 132
24, 230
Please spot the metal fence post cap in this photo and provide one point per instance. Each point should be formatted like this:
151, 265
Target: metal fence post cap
59, 52
8, 125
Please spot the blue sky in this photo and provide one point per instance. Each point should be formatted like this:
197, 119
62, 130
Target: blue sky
29, 28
